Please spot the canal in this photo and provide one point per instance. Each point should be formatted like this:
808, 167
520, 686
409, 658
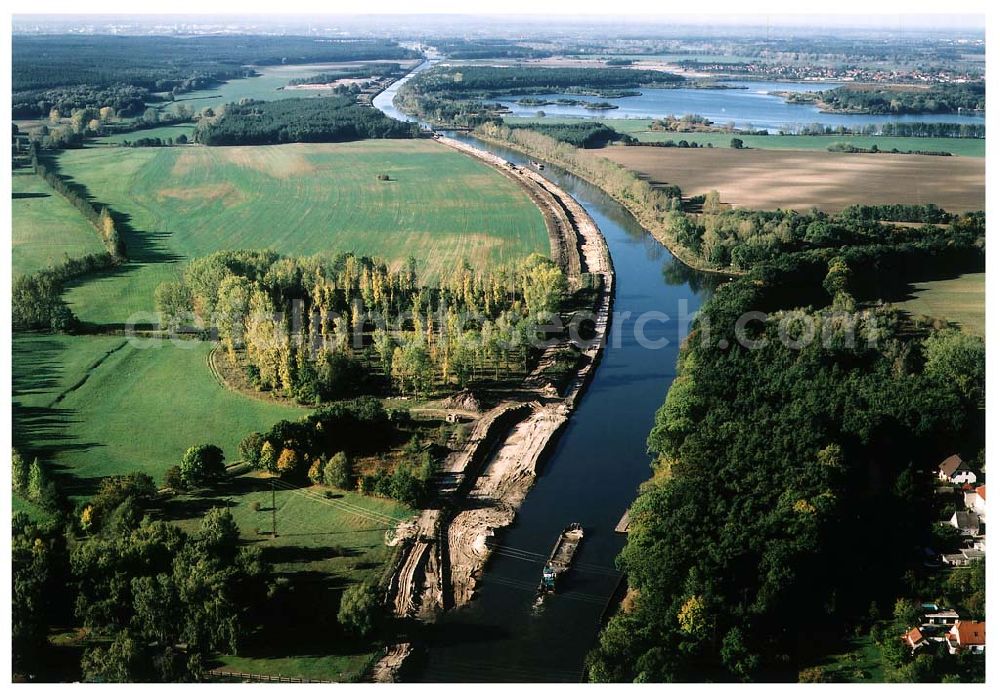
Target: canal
591, 477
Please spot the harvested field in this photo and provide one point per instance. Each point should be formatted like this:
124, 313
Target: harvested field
829, 181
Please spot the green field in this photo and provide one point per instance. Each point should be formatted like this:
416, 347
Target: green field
639, 128
961, 300
322, 547
97, 406
439, 206
266, 87
162, 132
46, 228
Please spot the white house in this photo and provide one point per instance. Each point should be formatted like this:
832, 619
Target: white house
954, 470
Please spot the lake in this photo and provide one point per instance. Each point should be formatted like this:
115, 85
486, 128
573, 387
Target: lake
749, 107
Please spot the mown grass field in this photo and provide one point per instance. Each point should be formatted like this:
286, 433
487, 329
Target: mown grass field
961, 300
639, 128
46, 228
323, 546
96, 406
184, 202
162, 132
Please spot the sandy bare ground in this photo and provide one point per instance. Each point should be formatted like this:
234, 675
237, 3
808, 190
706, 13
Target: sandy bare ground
829, 181
387, 669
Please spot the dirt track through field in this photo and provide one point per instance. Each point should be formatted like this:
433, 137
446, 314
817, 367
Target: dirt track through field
829, 181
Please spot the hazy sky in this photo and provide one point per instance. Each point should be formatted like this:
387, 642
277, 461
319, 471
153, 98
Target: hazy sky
851, 13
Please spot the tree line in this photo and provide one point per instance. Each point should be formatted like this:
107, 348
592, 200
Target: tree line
937, 99
724, 237
328, 327
100, 218
36, 298
366, 70
309, 120
155, 602
586, 135
790, 499
902, 129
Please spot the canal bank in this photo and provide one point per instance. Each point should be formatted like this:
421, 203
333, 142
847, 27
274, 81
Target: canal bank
591, 475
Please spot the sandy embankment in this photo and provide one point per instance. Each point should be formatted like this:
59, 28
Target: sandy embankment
486, 481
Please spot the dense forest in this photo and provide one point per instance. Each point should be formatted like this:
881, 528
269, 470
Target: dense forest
68, 72
937, 99
307, 120
791, 491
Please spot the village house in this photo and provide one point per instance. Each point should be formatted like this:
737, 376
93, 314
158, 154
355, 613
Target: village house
914, 639
954, 470
963, 558
967, 636
946, 617
975, 500
965, 522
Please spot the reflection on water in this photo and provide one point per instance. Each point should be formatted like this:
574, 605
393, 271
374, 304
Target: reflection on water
591, 477
753, 106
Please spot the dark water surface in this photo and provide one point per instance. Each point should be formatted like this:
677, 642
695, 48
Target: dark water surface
591, 477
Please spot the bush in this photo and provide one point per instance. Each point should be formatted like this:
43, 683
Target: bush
338, 472
173, 479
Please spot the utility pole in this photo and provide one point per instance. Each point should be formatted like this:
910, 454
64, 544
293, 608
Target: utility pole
274, 512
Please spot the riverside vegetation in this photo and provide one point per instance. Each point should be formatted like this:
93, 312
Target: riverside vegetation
750, 553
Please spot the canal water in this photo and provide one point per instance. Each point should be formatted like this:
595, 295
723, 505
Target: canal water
591, 476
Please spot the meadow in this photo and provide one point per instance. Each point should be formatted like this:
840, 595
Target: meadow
267, 86
639, 128
45, 227
163, 132
828, 181
961, 300
184, 202
95, 406
323, 545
